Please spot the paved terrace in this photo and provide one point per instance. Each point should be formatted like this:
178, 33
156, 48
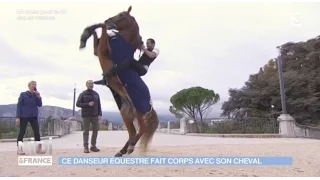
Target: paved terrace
304, 152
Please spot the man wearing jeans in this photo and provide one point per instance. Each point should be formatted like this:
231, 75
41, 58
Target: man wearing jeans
89, 102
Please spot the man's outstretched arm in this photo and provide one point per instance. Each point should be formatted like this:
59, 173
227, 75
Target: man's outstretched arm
151, 54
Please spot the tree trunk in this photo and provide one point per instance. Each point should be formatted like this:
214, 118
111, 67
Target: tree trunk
202, 127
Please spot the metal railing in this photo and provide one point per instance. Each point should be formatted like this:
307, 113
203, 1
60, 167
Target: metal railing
174, 124
252, 125
9, 129
163, 124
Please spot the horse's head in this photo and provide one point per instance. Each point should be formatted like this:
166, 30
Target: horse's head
122, 20
127, 27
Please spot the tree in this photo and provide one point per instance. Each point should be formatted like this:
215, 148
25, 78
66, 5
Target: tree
178, 114
301, 71
195, 102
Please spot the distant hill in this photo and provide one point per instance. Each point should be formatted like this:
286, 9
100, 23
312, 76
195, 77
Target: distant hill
116, 117
55, 111
44, 111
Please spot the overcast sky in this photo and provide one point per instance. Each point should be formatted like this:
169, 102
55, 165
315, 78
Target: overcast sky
213, 45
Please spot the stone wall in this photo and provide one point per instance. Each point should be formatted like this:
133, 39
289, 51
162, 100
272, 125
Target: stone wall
308, 132
76, 124
58, 127
170, 127
187, 125
288, 127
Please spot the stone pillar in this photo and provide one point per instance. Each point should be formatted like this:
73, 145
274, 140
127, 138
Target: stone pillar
50, 128
110, 126
168, 128
183, 126
72, 118
74, 123
66, 127
57, 126
286, 125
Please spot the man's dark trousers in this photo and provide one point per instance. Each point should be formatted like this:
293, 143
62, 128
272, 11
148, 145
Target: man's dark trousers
94, 121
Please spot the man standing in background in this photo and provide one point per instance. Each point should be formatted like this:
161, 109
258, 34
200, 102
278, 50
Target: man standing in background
89, 102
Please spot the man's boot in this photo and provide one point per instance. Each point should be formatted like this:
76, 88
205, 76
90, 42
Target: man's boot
115, 70
86, 150
104, 81
101, 82
94, 149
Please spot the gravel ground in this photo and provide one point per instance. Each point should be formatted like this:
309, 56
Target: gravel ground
306, 162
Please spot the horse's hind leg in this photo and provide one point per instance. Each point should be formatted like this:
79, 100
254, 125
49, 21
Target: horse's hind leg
132, 133
151, 124
127, 116
135, 139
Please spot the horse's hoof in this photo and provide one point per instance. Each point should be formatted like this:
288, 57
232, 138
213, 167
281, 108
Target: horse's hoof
130, 149
82, 45
118, 155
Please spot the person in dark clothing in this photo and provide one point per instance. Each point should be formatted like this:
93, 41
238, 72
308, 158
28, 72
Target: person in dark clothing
27, 112
89, 102
141, 66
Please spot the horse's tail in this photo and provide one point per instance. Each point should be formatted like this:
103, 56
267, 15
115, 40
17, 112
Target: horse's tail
151, 125
87, 33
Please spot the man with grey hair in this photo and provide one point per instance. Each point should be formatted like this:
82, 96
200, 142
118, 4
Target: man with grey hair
89, 102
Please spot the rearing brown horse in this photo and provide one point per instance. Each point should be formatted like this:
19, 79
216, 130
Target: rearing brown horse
134, 93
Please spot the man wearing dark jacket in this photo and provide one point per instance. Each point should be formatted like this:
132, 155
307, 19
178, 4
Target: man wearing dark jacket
89, 102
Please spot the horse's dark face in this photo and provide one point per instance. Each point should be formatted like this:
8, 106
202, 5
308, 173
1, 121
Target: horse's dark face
128, 27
